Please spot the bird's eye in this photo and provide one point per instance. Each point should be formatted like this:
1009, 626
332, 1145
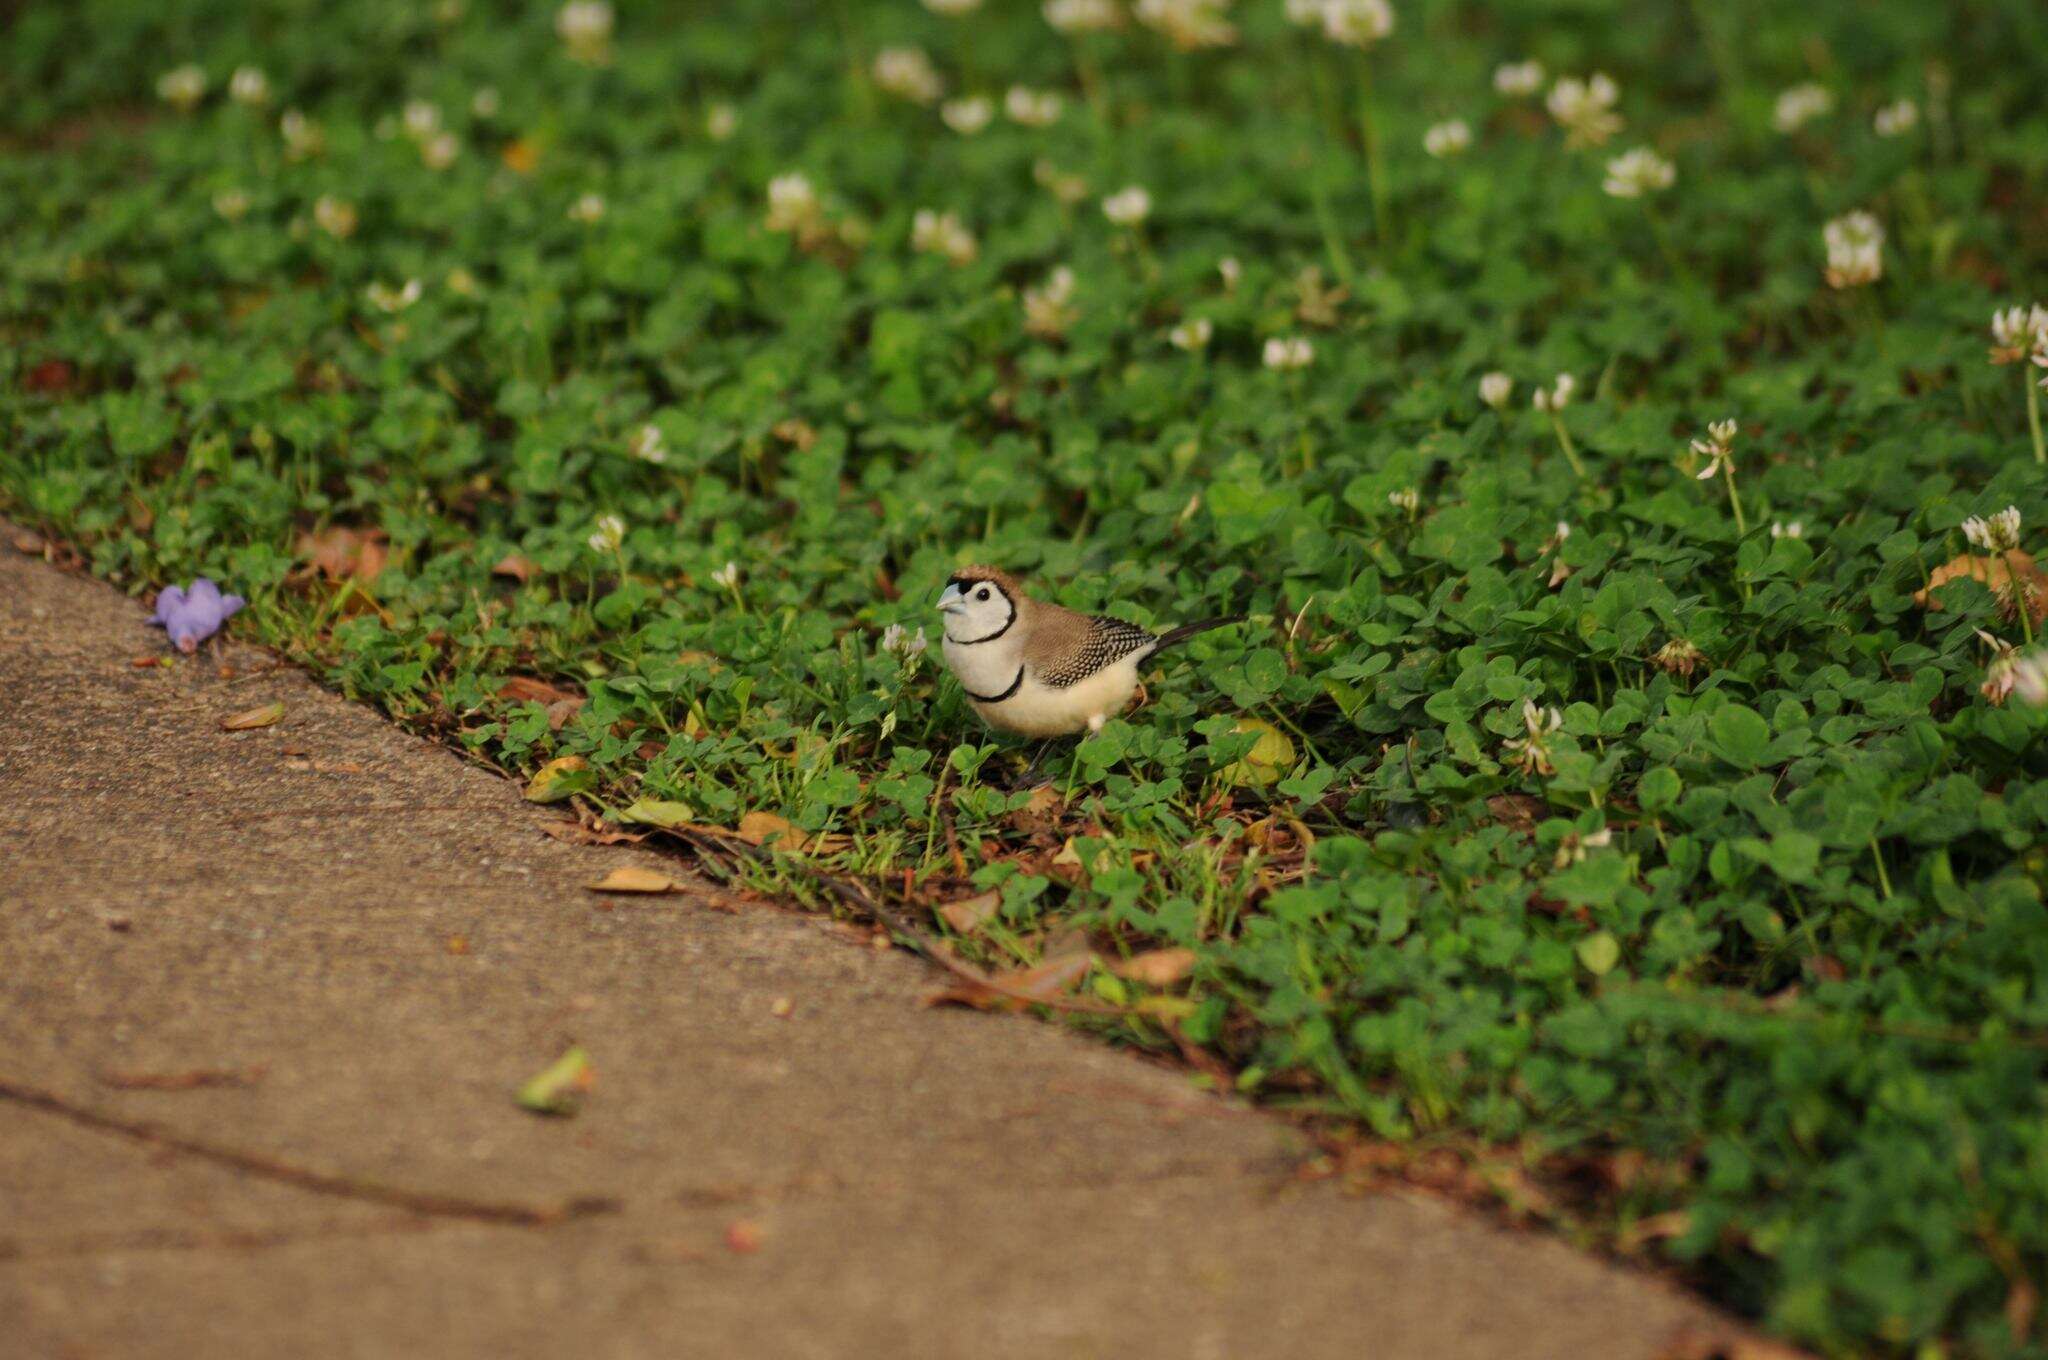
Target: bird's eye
981, 594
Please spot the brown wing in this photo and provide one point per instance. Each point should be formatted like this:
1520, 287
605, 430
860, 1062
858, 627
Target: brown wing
1071, 647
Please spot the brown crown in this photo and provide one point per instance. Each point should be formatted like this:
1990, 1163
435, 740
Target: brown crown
969, 575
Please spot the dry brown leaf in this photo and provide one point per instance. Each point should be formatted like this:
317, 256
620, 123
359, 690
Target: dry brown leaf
521, 688
759, 828
1012, 990
514, 566
1156, 967
2007, 576
31, 544
743, 1236
339, 552
2022, 1301
250, 719
970, 914
631, 878
1655, 1228
1516, 811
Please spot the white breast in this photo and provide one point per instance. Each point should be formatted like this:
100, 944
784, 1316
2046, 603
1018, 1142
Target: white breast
1040, 710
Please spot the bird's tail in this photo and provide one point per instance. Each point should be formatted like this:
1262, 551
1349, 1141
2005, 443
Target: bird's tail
1173, 637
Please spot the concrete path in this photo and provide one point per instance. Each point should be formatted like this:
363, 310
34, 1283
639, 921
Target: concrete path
386, 933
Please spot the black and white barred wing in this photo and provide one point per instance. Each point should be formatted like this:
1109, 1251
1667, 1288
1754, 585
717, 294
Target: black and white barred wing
1108, 642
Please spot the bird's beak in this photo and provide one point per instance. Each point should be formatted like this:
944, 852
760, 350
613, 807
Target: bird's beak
952, 600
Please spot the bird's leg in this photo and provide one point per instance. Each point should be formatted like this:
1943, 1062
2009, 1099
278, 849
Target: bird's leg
1032, 771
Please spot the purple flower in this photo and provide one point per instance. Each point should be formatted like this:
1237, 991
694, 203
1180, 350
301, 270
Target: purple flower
193, 615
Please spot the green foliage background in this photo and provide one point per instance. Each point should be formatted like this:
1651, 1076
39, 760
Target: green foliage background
1826, 805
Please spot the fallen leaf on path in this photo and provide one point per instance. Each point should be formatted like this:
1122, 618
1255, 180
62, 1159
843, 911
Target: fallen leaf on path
970, 914
31, 544
339, 552
759, 828
660, 812
744, 1236
1156, 967
1045, 982
267, 716
145, 662
196, 1079
560, 778
560, 1086
631, 878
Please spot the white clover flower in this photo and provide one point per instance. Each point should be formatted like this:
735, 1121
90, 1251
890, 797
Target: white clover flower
1636, 173
302, 137
1896, 119
2030, 678
1048, 308
2000, 672
727, 577
587, 208
1855, 246
1406, 500
1305, 13
1557, 396
386, 298
1231, 271
1559, 572
1800, 105
1447, 138
421, 119
231, 204
485, 103
1531, 753
907, 73
1285, 353
792, 202
1585, 108
249, 86
646, 445
1994, 533
1572, 849
1787, 529
1717, 448
585, 28
2018, 331
182, 87
1128, 206
952, 9
1495, 389
1518, 79
721, 121
440, 151
1357, 23
335, 216
937, 233
1193, 334
1032, 108
1067, 188
908, 645
968, 116
609, 534
1083, 16
1189, 24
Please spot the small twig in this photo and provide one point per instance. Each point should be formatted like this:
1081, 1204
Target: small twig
309, 1178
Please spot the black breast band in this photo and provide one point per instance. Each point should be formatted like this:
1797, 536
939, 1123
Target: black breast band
998, 698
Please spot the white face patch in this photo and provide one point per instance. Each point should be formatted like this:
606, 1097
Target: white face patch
976, 612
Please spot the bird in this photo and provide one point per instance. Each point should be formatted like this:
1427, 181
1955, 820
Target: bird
1039, 669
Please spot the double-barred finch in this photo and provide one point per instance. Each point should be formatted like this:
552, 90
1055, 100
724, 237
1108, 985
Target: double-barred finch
1039, 669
